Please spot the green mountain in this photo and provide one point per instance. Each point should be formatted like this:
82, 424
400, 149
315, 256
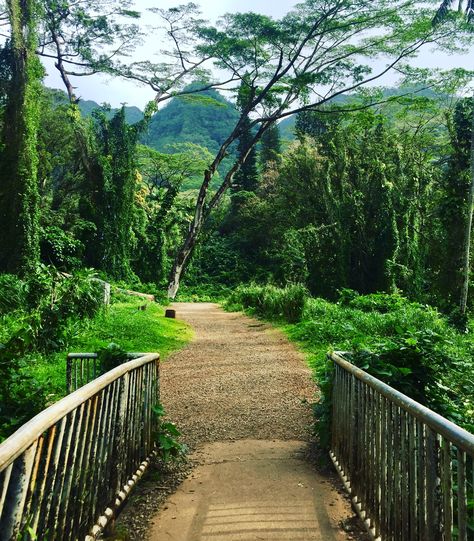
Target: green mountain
205, 118
287, 128
59, 97
132, 114
287, 125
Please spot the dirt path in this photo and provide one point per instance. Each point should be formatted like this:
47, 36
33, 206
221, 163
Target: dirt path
252, 490
239, 378
241, 393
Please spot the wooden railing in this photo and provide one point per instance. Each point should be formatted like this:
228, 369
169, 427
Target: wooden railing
65, 473
82, 368
408, 470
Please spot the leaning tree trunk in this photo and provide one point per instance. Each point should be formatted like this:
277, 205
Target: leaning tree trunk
203, 210
467, 239
182, 257
19, 198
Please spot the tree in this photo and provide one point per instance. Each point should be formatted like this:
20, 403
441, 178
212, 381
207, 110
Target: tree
317, 52
454, 208
246, 177
87, 37
466, 7
19, 230
110, 196
348, 210
270, 147
164, 175
468, 233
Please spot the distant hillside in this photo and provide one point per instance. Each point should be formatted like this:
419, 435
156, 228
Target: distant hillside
287, 128
132, 114
287, 125
205, 118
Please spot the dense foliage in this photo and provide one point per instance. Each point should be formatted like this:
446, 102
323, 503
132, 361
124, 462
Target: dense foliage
42, 319
38, 316
19, 234
357, 203
371, 195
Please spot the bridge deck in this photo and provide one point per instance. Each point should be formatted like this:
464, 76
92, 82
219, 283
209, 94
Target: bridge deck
252, 490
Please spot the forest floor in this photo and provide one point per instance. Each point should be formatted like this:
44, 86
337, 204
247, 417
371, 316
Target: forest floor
241, 395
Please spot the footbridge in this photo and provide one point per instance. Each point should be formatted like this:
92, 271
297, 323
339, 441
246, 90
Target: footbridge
66, 473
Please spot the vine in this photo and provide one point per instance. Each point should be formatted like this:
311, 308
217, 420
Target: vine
19, 198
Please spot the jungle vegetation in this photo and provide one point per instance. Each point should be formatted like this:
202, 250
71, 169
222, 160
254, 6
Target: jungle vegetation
366, 193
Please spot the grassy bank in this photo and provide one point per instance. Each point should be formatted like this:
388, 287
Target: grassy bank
123, 323
34, 343
408, 345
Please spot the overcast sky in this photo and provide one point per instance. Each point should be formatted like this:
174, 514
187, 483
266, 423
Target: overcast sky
115, 91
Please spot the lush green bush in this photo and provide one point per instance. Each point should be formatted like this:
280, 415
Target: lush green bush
12, 293
410, 347
111, 356
271, 302
375, 302
58, 304
48, 307
202, 293
61, 248
49, 310
21, 396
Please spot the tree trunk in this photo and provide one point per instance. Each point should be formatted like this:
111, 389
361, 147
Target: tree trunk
202, 211
19, 197
184, 254
467, 239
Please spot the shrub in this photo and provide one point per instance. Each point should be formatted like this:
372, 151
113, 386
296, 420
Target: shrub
54, 305
69, 300
167, 437
21, 397
203, 293
375, 302
271, 302
110, 357
12, 293
294, 298
60, 248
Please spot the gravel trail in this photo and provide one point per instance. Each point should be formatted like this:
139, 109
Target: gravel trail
239, 378
241, 394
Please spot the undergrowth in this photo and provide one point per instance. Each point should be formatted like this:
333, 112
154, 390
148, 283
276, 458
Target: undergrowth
44, 318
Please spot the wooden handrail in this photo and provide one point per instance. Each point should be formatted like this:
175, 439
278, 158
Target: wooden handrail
64, 474
409, 471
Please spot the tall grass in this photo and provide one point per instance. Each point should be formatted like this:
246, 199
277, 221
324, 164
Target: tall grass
271, 302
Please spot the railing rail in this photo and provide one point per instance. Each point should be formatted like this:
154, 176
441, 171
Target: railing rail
82, 368
408, 470
65, 473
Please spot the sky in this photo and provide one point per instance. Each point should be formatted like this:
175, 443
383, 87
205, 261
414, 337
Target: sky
114, 91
